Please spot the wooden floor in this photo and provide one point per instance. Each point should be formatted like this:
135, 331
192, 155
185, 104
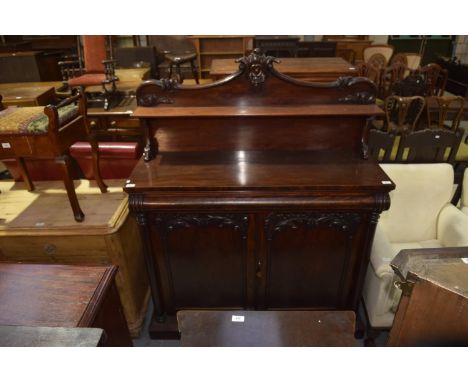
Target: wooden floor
47, 207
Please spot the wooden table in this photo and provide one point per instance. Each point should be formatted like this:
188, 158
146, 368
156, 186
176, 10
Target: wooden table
27, 95
63, 296
319, 69
34, 336
266, 328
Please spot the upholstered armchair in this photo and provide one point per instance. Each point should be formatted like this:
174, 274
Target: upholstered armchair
420, 216
94, 70
464, 196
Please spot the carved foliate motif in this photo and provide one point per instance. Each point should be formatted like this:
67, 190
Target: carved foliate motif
276, 223
359, 98
141, 218
173, 221
153, 100
256, 66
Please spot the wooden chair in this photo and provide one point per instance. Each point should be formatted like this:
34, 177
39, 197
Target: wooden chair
389, 76
383, 49
439, 112
402, 113
380, 144
410, 86
38, 132
411, 60
436, 79
177, 51
372, 69
93, 70
399, 58
429, 146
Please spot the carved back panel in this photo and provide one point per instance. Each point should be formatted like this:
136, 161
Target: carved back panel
428, 146
438, 112
435, 77
257, 83
257, 108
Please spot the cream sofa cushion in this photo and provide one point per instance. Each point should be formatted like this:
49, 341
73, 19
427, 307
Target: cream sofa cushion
464, 196
421, 192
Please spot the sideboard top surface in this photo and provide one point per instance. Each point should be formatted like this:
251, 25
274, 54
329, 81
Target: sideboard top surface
259, 170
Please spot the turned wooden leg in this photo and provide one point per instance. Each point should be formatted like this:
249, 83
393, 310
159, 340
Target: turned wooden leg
360, 327
372, 334
96, 169
151, 146
195, 72
70, 187
169, 71
24, 174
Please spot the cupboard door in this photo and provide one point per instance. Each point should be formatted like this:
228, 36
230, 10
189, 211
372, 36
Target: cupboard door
309, 258
201, 260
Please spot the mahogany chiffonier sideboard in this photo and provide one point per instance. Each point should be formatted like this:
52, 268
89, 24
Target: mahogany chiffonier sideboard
253, 193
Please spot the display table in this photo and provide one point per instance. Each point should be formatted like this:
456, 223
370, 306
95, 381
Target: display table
32, 230
320, 69
254, 194
63, 296
266, 328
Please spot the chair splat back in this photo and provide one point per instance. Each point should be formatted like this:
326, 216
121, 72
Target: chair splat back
428, 146
435, 77
439, 112
94, 51
402, 113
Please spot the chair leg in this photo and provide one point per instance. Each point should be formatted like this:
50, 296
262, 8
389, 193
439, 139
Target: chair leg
371, 335
70, 187
169, 71
96, 169
179, 77
24, 174
195, 72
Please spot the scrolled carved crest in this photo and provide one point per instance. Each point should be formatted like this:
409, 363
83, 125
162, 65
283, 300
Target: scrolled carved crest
256, 65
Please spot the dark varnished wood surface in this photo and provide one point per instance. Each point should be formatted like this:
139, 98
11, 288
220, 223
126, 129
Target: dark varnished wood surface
433, 310
51, 295
27, 336
266, 328
258, 111
62, 296
258, 170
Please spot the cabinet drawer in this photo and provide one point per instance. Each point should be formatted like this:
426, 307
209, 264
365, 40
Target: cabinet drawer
51, 249
125, 123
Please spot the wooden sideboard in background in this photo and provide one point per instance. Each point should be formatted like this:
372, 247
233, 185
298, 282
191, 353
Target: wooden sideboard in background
211, 47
